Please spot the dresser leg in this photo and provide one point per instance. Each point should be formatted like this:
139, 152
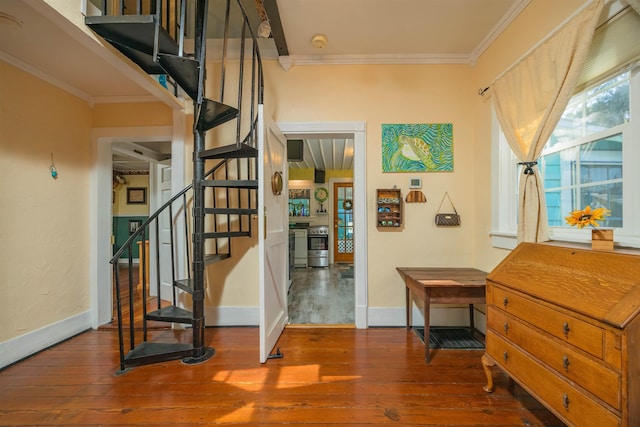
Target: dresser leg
487, 363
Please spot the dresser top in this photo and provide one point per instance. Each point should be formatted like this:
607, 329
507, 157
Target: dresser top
602, 285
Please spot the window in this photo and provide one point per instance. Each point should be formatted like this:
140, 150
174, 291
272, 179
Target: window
593, 155
590, 159
582, 162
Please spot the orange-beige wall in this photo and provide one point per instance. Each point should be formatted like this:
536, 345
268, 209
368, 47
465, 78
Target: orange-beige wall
45, 246
131, 115
537, 20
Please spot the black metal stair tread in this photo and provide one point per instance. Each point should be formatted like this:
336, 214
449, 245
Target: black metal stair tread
171, 314
151, 352
223, 234
229, 152
214, 113
231, 183
134, 31
185, 284
231, 211
144, 60
185, 72
211, 258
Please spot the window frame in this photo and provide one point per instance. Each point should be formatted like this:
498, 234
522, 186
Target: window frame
506, 175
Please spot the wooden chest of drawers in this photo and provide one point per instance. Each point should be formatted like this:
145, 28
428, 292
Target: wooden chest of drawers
565, 324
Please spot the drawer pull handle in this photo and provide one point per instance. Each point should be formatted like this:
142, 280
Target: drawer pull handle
505, 302
505, 356
565, 362
565, 401
506, 327
566, 329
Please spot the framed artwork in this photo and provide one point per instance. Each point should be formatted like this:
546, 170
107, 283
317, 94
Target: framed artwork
134, 224
417, 147
136, 196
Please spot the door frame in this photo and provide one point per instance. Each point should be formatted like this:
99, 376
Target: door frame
100, 201
357, 131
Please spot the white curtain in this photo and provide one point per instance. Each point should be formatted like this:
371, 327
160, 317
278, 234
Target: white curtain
530, 98
634, 4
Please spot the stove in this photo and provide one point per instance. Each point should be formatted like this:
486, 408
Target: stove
318, 246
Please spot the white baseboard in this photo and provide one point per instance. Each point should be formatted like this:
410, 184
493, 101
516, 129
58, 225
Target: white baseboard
439, 316
25, 345
232, 316
376, 316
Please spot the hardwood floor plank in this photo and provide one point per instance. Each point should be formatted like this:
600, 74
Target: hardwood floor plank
328, 377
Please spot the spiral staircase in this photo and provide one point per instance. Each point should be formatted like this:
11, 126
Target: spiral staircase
223, 195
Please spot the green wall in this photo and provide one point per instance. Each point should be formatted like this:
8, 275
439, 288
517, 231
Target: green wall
121, 234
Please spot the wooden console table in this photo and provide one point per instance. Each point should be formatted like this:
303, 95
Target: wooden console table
442, 286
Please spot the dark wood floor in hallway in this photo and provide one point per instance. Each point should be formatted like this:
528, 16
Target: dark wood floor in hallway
328, 376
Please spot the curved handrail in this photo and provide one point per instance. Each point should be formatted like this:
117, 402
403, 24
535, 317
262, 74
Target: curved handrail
156, 214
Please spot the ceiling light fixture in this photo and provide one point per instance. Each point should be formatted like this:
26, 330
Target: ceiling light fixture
319, 41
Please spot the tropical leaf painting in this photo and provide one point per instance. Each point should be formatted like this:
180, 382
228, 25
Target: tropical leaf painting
417, 147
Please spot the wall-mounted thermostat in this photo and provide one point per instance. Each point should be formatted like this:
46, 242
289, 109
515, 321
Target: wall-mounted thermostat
415, 183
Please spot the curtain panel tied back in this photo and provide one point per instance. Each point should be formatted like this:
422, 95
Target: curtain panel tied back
530, 98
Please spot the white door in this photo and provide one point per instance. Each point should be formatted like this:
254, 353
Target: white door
163, 192
274, 230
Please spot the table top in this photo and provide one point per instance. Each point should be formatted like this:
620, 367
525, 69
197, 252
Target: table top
444, 277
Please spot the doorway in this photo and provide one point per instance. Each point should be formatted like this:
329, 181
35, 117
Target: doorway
357, 131
102, 141
343, 223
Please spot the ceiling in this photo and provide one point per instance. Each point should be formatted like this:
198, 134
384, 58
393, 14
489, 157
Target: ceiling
398, 31
37, 39
326, 153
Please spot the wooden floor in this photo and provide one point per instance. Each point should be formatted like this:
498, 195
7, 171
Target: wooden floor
328, 376
152, 302
322, 296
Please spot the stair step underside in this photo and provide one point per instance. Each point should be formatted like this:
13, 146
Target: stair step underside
211, 258
134, 31
231, 183
148, 352
143, 60
184, 71
171, 314
229, 152
214, 113
224, 234
230, 211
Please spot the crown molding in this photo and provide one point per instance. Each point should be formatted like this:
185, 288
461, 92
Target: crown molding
506, 20
45, 77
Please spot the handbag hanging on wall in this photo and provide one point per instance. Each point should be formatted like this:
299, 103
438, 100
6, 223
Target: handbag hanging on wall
447, 219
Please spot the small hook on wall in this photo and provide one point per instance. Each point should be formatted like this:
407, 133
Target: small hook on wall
52, 169
482, 91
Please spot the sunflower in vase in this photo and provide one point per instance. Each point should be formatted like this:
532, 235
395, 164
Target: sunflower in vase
587, 216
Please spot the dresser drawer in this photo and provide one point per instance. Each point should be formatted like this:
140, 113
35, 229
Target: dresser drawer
562, 397
589, 373
581, 334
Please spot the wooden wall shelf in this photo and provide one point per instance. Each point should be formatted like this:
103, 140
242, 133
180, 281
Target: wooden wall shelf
389, 208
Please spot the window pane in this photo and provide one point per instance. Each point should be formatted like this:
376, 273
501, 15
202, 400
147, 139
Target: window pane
570, 125
589, 174
559, 204
608, 196
601, 160
608, 108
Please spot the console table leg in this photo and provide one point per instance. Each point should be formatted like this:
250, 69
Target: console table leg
487, 363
